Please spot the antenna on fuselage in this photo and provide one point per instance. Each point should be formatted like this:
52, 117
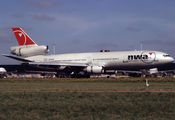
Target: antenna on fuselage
53, 49
141, 45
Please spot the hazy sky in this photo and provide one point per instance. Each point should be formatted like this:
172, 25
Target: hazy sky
89, 25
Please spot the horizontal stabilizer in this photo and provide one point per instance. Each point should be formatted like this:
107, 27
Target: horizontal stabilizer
17, 58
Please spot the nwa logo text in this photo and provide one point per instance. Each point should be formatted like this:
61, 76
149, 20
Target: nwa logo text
146, 57
137, 57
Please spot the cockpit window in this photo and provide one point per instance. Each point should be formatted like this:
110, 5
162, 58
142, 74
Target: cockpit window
166, 55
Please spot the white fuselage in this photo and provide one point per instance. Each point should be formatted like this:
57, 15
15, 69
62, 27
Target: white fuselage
126, 60
97, 62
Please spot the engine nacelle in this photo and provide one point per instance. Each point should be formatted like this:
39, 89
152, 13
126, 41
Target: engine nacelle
27, 51
94, 69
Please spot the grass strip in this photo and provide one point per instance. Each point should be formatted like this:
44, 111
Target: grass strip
86, 86
87, 79
81, 105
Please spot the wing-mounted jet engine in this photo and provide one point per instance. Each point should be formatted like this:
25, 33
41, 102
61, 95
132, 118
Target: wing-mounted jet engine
29, 50
94, 69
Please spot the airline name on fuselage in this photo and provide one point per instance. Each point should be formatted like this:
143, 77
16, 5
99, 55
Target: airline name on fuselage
137, 57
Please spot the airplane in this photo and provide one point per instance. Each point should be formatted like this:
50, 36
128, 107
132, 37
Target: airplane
84, 64
3, 72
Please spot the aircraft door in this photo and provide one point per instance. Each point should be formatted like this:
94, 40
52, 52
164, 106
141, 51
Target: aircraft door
125, 59
89, 60
45, 60
156, 58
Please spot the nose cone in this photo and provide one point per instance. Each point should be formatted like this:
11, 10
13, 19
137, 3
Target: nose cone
171, 59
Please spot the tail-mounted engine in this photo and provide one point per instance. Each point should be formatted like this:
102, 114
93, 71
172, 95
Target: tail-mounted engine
29, 50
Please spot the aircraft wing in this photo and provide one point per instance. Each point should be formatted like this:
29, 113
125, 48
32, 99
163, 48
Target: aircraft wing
43, 73
126, 71
63, 64
57, 64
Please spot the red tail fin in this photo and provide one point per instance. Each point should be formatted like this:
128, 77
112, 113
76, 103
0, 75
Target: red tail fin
22, 37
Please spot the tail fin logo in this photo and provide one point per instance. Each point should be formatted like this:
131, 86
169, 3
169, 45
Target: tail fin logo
22, 37
20, 34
